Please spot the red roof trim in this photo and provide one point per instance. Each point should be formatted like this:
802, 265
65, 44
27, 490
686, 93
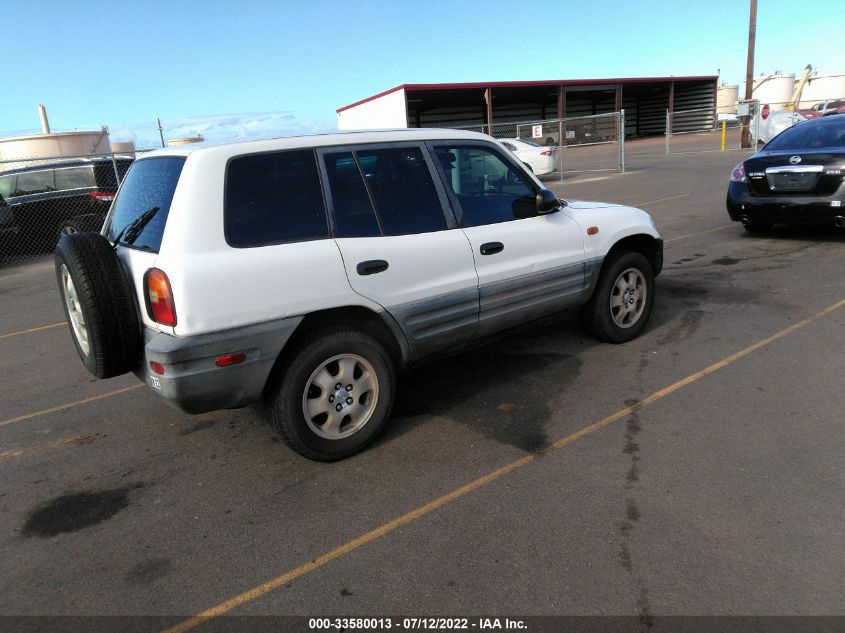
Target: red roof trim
525, 84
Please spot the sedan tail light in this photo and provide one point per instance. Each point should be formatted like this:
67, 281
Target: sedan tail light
547, 152
102, 196
159, 296
738, 174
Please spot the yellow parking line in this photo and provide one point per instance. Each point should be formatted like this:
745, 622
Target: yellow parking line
69, 405
415, 514
683, 237
645, 204
35, 329
65, 441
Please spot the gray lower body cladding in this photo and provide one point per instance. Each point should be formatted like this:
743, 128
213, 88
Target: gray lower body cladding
193, 382
441, 323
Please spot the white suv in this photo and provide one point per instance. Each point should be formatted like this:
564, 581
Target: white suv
306, 271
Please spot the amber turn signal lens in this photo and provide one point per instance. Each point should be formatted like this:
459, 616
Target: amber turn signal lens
592, 230
160, 298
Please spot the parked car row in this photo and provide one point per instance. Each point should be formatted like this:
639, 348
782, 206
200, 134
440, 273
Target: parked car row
40, 201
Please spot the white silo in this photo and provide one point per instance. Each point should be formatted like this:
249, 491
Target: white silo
823, 88
726, 98
775, 90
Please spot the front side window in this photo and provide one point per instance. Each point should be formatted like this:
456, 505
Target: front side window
486, 186
273, 198
140, 211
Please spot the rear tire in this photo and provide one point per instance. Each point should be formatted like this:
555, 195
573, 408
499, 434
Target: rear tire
302, 402
623, 299
758, 229
98, 304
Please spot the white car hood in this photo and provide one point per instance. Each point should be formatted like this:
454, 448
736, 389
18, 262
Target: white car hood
589, 204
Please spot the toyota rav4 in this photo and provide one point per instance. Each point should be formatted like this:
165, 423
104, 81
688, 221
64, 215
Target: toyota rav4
305, 272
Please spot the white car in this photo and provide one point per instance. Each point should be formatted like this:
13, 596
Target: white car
541, 159
307, 271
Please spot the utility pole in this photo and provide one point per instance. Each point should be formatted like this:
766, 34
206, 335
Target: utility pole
749, 71
161, 132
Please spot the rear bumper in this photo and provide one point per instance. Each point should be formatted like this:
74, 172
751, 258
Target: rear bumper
193, 383
743, 207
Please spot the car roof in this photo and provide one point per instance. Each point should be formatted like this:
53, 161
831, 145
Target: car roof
357, 137
60, 163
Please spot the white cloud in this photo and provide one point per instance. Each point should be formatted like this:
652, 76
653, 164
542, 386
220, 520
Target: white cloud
220, 127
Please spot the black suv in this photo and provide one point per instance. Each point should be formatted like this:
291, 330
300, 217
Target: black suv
47, 199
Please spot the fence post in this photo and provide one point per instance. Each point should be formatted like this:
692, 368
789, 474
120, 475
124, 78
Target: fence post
560, 149
622, 140
668, 124
114, 166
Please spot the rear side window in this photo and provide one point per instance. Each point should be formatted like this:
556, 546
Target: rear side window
104, 173
30, 182
145, 200
383, 191
274, 198
74, 178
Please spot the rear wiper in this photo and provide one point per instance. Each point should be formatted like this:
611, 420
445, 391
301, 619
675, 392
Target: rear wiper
131, 231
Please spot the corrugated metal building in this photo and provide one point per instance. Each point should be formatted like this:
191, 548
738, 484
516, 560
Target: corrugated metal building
645, 100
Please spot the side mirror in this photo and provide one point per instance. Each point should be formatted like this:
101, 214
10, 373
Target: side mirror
547, 202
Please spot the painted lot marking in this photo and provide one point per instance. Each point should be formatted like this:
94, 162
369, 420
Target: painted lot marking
683, 237
65, 441
421, 511
645, 204
69, 405
34, 329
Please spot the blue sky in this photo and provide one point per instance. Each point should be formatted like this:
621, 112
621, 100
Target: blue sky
251, 68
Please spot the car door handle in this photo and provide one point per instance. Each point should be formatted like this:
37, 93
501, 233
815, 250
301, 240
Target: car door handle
371, 267
491, 248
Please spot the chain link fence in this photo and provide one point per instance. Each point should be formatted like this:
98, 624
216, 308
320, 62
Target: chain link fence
553, 148
42, 197
708, 130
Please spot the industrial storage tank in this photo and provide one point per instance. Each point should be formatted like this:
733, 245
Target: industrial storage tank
775, 90
822, 88
124, 148
187, 140
726, 98
52, 145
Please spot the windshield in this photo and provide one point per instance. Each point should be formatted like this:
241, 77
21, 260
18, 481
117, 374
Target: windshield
149, 185
826, 134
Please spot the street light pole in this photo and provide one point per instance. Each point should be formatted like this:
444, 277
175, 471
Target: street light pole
749, 71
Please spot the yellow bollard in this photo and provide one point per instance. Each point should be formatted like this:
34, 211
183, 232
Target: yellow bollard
724, 132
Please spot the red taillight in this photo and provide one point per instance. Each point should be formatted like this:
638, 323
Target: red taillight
157, 367
161, 307
738, 174
547, 152
102, 196
230, 359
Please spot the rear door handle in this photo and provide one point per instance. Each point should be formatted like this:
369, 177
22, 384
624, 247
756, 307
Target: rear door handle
371, 267
491, 248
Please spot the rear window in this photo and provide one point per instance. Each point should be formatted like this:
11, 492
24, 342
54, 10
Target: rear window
822, 135
274, 198
145, 197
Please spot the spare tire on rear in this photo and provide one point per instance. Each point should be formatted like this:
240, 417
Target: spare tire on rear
98, 304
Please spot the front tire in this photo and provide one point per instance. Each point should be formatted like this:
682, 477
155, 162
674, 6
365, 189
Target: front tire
335, 396
623, 299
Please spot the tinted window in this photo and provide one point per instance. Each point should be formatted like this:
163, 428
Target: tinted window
826, 134
6, 185
273, 198
488, 188
403, 191
353, 212
35, 182
146, 195
74, 177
